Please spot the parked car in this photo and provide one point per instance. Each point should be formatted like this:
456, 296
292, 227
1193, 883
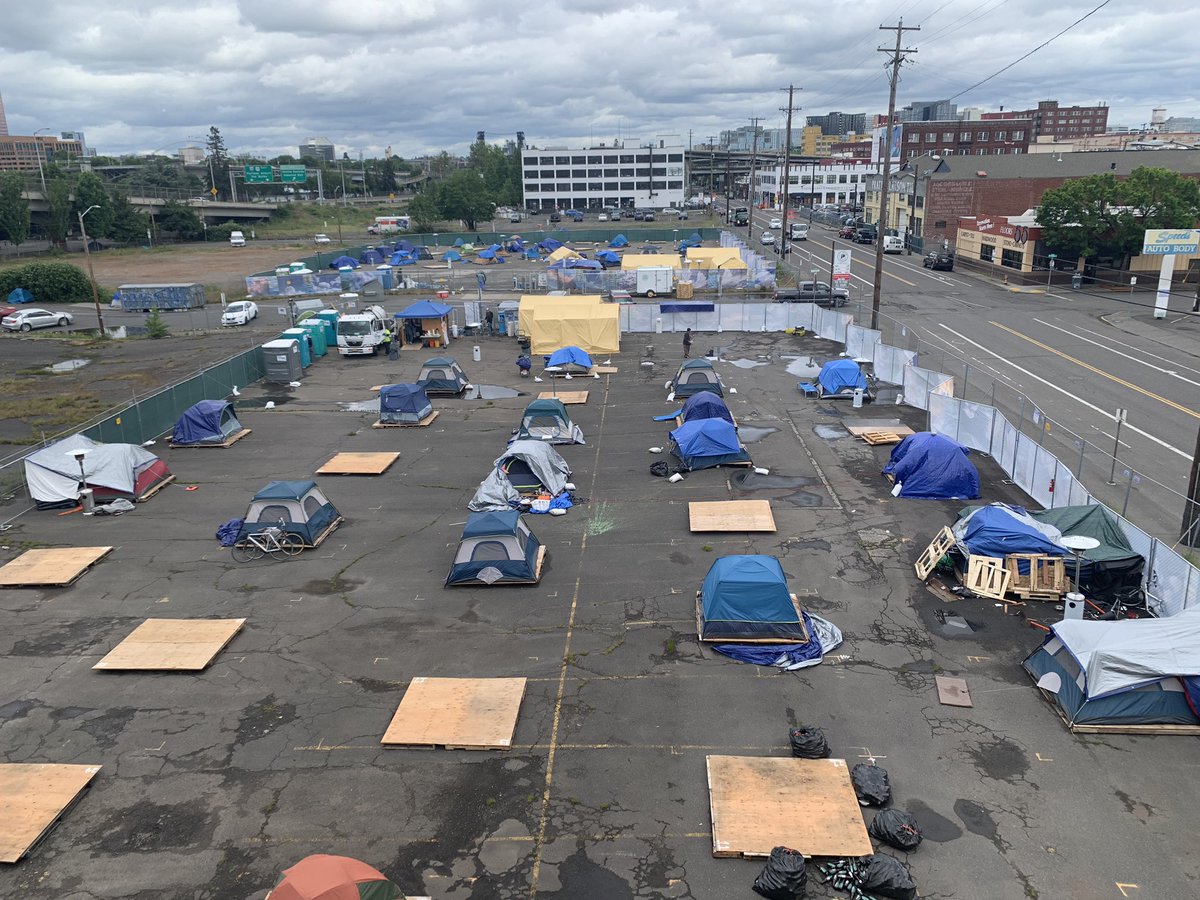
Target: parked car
776, 224
680, 214
639, 215
818, 292
615, 215
6, 311
847, 232
939, 260
864, 236
514, 217
603, 217
555, 217
767, 238
893, 244
29, 319
648, 216
240, 312
321, 239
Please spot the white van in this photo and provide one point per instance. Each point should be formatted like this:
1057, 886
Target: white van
799, 231
237, 239
893, 244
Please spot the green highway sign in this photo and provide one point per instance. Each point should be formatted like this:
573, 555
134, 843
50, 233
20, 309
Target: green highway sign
293, 173
259, 174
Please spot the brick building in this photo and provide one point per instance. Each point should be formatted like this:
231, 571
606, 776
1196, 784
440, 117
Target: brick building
1060, 123
26, 152
957, 138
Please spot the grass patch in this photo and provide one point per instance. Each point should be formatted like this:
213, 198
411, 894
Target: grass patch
669, 645
707, 548
601, 521
43, 413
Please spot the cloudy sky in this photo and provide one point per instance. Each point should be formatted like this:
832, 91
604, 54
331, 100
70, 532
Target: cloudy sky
140, 75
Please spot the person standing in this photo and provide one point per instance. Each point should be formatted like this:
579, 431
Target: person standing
386, 343
489, 319
687, 343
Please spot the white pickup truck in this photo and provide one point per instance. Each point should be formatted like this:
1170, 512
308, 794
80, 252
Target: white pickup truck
361, 333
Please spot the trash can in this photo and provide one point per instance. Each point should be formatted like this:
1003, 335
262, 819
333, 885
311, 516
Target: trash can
87, 499
511, 327
1076, 281
475, 354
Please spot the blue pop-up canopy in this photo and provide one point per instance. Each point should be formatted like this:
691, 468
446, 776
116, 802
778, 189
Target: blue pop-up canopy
571, 358
705, 405
746, 598
705, 443
424, 309
344, 261
932, 466
839, 375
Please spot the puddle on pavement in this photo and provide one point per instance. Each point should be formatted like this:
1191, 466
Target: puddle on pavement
750, 480
955, 627
493, 392
803, 367
746, 363
830, 432
371, 405
67, 365
751, 435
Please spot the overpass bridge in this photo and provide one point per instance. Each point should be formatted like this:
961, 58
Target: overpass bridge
211, 211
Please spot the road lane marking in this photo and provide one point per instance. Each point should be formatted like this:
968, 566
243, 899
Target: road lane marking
1074, 397
1100, 372
1127, 356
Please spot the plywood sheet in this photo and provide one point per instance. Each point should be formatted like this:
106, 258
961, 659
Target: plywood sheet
50, 568
604, 370
171, 645
457, 713
758, 803
567, 398
952, 691
347, 463
428, 420
33, 797
860, 430
731, 515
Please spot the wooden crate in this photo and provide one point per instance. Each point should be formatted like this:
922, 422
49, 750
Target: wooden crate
50, 568
937, 548
1046, 578
987, 577
34, 797
171, 645
457, 713
731, 515
347, 463
758, 803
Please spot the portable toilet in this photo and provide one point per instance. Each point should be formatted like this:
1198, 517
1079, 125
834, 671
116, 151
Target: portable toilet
386, 277
330, 318
281, 360
506, 313
302, 337
316, 331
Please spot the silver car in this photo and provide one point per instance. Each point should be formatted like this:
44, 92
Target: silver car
29, 319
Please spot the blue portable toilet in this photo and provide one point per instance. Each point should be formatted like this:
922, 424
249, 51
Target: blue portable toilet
303, 337
316, 331
386, 277
330, 318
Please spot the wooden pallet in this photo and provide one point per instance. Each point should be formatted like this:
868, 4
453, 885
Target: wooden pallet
877, 438
987, 577
937, 548
457, 714
51, 568
171, 645
759, 803
731, 515
1045, 580
347, 463
428, 420
737, 640
902, 431
35, 797
567, 398
229, 442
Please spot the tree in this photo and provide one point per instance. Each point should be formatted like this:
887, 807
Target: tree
58, 198
1162, 198
424, 212
126, 225
441, 165
464, 196
218, 158
155, 326
181, 220
163, 172
89, 191
500, 169
14, 210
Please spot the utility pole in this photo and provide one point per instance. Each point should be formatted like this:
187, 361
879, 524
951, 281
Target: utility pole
712, 165
1191, 505
787, 171
727, 185
750, 191
898, 57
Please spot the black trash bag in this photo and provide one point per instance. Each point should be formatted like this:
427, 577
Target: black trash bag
660, 468
896, 829
784, 877
887, 877
808, 742
871, 784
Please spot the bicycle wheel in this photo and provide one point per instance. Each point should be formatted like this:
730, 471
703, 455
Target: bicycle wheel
245, 551
291, 544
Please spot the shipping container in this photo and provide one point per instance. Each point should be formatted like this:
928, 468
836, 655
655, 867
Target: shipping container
145, 297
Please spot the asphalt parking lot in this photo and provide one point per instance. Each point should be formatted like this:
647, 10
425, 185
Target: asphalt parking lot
213, 783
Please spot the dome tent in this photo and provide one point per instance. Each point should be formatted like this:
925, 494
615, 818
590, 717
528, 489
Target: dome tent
403, 404
304, 509
694, 376
442, 375
548, 420
746, 598
209, 423
705, 405
841, 377
111, 471
933, 467
572, 360
497, 548
707, 443
526, 467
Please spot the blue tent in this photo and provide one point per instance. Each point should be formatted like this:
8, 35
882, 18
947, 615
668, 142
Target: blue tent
370, 257
571, 359
403, 404
424, 309
207, 423
619, 241
705, 405
705, 443
442, 375
570, 263
746, 598
452, 256
404, 245
694, 376
607, 258
487, 254
516, 245
841, 375
20, 295
343, 262
549, 245
495, 247
933, 467
532, 253
496, 548
422, 253
300, 504
385, 250
695, 239
459, 242
402, 259
998, 529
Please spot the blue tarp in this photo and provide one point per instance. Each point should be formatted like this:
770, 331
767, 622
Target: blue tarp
531, 253
997, 530
516, 245
607, 256
704, 443
206, 422
933, 467
459, 242
686, 307
549, 245
747, 598
343, 262
487, 254
619, 241
402, 259
570, 356
20, 295
706, 405
452, 256
403, 404
570, 263
424, 309
823, 638
838, 375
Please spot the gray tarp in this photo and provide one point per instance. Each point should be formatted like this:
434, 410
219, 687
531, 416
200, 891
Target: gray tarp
1117, 656
543, 460
53, 474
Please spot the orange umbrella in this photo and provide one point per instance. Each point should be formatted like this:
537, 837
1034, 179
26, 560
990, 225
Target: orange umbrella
324, 877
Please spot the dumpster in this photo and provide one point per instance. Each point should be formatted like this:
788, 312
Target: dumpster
281, 360
302, 337
316, 330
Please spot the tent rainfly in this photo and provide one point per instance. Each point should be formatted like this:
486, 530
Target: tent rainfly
300, 504
403, 404
206, 422
442, 375
841, 377
706, 405
933, 467
999, 529
746, 598
496, 548
111, 471
694, 376
570, 359
527, 467
548, 420
324, 877
344, 262
707, 443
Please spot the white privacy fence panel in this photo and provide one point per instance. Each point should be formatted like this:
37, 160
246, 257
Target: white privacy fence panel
920, 383
831, 325
890, 363
860, 342
968, 423
645, 318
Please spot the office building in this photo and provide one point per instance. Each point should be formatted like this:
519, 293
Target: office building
814, 183
956, 138
3, 119
1060, 123
318, 148
839, 124
770, 140
928, 111
20, 152
630, 174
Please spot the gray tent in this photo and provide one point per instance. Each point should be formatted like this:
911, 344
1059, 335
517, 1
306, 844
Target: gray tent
526, 467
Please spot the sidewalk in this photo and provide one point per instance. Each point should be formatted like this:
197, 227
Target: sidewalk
1180, 332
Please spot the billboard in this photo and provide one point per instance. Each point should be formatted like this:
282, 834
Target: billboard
1164, 241
893, 142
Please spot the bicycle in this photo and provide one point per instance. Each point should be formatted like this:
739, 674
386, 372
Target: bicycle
273, 540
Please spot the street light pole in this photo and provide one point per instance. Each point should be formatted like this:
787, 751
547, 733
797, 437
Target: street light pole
91, 272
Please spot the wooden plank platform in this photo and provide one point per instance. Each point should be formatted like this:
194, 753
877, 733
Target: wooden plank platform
428, 420
51, 568
952, 691
34, 797
901, 431
604, 370
567, 398
155, 489
457, 713
172, 645
758, 803
731, 515
229, 442
347, 463
735, 640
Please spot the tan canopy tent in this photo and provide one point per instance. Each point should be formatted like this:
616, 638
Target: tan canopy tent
563, 253
715, 257
532, 302
640, 260
592, 328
